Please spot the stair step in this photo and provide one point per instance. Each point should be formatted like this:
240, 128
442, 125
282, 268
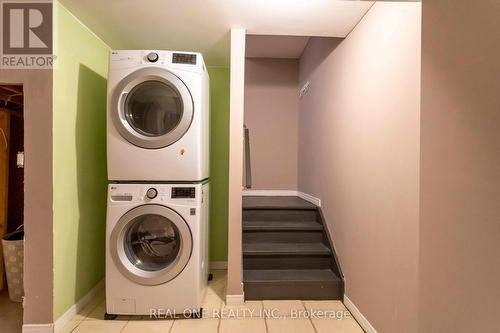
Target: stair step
280, 215
281, 225
275, 248
288, 262
286, 251
280, 236
267, 202
297, 275
292, 284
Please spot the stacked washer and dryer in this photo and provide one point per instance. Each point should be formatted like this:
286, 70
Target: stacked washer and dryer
158, 168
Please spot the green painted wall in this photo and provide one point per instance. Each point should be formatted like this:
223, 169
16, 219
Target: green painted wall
79, 132
80, 178
219, 161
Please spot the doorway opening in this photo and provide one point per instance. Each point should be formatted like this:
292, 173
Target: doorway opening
272, 111
11, 207
287, 249
276, 83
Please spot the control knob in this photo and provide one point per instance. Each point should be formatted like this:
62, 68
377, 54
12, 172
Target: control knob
152, 57
152, 193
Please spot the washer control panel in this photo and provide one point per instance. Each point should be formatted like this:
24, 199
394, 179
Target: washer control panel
155, 193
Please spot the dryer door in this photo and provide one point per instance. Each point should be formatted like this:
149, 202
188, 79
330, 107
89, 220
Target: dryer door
151, 244
152, 108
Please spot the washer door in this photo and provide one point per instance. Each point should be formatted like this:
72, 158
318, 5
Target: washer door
152, 108
151, 244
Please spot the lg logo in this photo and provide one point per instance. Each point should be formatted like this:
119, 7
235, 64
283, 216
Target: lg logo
26, 28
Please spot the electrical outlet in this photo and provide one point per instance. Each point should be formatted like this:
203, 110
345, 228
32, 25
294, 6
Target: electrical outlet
304, 89
20, 159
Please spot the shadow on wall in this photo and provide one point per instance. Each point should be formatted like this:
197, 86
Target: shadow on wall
90, 139
315, 59
218, 53
219, 161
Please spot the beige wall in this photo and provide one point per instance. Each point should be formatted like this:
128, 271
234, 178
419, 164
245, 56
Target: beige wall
359, 153
271, 114
236, 106
460, 167
38, 266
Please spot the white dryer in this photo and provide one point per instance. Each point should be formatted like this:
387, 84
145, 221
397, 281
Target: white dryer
156, 248
157, 116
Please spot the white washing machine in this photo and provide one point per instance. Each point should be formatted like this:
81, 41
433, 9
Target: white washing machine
156, 248
157, 116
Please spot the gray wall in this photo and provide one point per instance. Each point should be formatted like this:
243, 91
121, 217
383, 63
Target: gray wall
38, 264
460, 167
359, 153
271, 114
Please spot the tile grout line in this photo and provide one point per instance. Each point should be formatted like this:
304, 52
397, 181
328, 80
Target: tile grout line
221, 305
172, 326
265, 319
74, 328
126, 323
87, 315
314, 327
309, 317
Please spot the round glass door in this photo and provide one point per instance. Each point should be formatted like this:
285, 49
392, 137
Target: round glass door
152, 108
151, 244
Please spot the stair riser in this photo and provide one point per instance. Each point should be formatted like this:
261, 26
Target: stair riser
283, 236
287, 262
281, 226
293, 290
279, 215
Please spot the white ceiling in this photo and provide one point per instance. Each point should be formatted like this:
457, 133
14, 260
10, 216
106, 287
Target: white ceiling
273, 46
203, 25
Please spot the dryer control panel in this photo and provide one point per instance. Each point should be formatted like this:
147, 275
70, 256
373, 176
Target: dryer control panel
183, 193
184, 58
189, 61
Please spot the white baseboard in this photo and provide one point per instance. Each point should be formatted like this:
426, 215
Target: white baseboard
72, 311
218, 265
362, 321
270, 193
233, 300
38, 328
309, 198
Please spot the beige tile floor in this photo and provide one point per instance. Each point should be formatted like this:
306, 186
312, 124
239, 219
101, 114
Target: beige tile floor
11, 314
282, 317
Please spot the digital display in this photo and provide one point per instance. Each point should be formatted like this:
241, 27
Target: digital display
122, 197
184, 58
183, 193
